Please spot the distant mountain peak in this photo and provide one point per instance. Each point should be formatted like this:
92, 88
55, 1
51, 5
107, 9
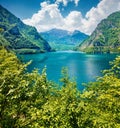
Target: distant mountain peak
60, 36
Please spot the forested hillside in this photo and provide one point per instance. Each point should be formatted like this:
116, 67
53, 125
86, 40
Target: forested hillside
62, 39
15, 35
29, 100
105, 38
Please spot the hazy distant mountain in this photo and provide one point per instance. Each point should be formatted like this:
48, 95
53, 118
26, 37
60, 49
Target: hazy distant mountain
64, 38
105, 38
15, 35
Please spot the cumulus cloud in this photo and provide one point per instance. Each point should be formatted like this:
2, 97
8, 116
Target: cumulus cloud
95, 15
65, 2
76, 2
47, 18
73, 21
50, 17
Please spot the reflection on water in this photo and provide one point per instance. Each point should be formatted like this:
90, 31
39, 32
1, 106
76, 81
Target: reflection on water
82, 67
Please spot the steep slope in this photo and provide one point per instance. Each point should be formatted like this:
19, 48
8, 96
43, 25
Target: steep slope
20, 37
63, 39
105, 38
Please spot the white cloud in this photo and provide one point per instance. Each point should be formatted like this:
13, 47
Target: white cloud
47, 18
76, 2
50, 17
65, 2
95, 15
73, 21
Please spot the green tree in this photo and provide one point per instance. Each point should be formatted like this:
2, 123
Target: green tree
59, 110
103, 99
21, 93
29, 100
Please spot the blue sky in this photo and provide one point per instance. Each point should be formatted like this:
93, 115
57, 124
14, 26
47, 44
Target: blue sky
82, 15
26, 8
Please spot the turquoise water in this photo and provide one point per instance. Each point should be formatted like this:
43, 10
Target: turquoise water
82, 67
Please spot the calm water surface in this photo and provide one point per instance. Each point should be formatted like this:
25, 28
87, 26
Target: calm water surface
82, 67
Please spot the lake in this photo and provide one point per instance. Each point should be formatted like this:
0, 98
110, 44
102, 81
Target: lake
82, 67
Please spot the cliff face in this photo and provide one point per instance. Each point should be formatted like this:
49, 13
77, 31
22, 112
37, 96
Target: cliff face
105, 38
17, 36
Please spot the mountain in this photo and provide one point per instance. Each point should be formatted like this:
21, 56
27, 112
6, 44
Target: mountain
105, 38
62, 39
15, 35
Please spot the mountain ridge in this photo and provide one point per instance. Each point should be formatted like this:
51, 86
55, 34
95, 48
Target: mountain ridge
63, 37
20, 37
106, 36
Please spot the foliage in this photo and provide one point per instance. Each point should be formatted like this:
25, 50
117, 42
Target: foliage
20, 93
62, 39
105, 38
61, 47
29, 100
20, 36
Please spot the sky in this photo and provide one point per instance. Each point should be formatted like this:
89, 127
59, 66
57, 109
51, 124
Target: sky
82, 15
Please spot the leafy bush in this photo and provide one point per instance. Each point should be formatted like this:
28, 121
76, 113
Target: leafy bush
29, 100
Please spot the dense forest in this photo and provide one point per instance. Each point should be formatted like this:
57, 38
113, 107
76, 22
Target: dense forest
17, 36
29, 100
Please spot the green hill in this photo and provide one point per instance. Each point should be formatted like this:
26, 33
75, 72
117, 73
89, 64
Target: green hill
61, 39
15, 35
105, 38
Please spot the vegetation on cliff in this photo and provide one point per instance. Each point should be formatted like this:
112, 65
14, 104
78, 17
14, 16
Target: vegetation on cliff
15, 35
105, 38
